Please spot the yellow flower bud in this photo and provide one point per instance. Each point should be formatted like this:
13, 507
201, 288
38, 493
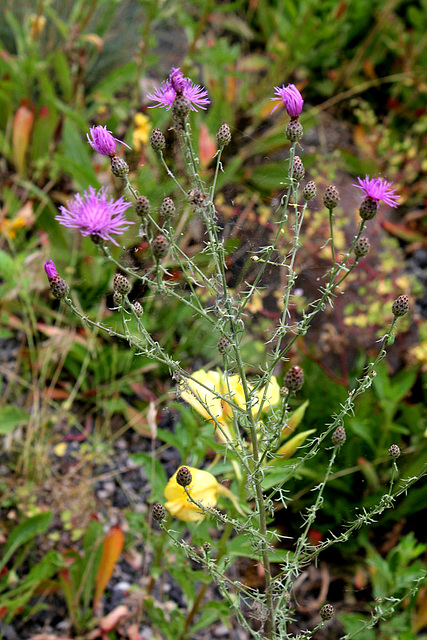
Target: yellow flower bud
289, 448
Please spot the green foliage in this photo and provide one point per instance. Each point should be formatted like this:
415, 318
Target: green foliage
17, 592
10, 417
393, 580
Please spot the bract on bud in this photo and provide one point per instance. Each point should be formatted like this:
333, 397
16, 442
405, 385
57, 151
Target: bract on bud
294, 379
121, 284
183, 476
331, 197
400, 306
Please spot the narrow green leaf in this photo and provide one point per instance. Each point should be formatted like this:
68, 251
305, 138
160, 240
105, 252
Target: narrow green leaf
24, 532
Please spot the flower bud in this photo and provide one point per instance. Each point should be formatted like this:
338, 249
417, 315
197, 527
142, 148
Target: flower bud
96, 239
223, 344
137, 307
160, 247
294, 130
339, 436
158, 511
361, 247
196, 197
331, 197
184, 477
142, 206
284, 391
58, 287
157, 140
294, 379
121, 284
309, 190
298, 171
400, 306
181, 106
119, 167
327, 612
117, 298
224, 135
394, 452
206, 547
167, 208
368, 208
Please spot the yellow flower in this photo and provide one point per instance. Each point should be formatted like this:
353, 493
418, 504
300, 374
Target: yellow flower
10, 227
206, 384
203, 394
204, 488
141, 133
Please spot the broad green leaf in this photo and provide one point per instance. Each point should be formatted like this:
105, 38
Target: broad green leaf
240, 546
211, 612
276, 477
363, 429
10, 417
105, 89
161, 621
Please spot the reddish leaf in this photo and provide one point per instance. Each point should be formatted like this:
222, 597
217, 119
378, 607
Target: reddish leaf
112, 548
404, 233
207, 146
110, 621
22, 125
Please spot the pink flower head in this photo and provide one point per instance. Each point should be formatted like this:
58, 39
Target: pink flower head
49, 267
96, 215
103, 141
291, 98
177, 79
177, 83
378, 189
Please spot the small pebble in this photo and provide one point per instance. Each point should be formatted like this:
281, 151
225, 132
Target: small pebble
221, 631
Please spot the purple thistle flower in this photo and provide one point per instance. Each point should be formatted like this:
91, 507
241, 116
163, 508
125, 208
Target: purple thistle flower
103, 141
175, 84
378, 189
49, 267
291, 98
177, 79
96, 215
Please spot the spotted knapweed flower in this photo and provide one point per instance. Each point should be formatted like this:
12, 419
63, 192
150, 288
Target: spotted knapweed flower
96, 215
378, 189
291, 98
103, 141
49, 267
58, 287
175, 85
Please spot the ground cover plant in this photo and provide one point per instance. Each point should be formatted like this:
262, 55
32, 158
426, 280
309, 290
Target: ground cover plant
254, 470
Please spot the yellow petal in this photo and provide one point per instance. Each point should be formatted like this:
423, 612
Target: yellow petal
204, 488
212, 380
141, 120
185, 512
60, 449
272, 396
